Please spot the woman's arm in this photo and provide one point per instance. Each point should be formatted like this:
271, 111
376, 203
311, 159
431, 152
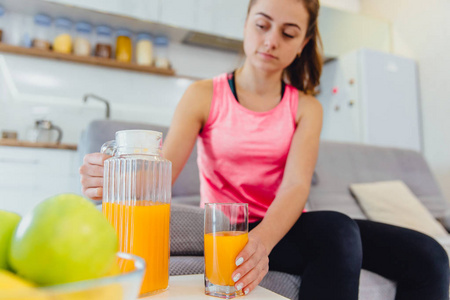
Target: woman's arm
190, 115
189, 118
291, 197
294, 189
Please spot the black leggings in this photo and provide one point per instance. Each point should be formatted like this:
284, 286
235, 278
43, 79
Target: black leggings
328, 249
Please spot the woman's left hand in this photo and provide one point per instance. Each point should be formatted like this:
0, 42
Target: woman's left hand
253, 264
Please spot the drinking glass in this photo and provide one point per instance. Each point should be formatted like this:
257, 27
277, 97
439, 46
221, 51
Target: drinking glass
226, 234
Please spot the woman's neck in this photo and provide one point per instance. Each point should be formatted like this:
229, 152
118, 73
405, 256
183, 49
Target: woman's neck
257, 82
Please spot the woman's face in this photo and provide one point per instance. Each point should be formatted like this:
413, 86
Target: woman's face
275, 33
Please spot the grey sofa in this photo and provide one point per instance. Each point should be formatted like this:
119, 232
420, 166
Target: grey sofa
339, 164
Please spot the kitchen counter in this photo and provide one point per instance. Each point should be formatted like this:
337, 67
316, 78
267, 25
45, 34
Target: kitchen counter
19, 143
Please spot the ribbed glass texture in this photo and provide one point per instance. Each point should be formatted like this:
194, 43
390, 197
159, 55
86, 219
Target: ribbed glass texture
136, 201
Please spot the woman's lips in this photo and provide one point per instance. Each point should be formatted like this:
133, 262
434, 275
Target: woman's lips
266, 55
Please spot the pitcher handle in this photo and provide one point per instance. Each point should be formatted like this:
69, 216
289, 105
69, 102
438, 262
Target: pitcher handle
109, 148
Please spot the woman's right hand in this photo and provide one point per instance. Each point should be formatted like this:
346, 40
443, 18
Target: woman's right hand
92, 175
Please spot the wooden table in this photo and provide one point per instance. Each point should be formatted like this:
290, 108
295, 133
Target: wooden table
192, 287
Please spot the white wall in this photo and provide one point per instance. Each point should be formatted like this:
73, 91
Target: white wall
349, 5
421, 30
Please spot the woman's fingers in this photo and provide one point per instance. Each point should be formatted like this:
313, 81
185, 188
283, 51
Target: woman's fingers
253, 266
91, 170
95, 193
259, 275
95, 158
91, 182
253, 277
248, 251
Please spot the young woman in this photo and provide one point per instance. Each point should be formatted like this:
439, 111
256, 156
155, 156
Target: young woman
258, 140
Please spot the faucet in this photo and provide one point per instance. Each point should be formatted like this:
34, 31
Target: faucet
85, 98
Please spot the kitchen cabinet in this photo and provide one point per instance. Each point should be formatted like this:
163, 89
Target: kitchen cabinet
178, 13
141, 9
228, 18
30, 175
219, 17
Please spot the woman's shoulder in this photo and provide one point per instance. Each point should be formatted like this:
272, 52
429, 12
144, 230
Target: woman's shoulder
204, 86
197, 99
308, 104
200, 91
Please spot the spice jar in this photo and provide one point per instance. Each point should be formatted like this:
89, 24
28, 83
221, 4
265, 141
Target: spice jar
103, 38
161, 52
63, 36
83, 37
123, 45
42, 32
2, 22
144, 49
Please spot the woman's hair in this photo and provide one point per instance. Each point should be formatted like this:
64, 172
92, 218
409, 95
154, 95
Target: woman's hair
304, 72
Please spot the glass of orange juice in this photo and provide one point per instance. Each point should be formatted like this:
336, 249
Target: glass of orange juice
226, 234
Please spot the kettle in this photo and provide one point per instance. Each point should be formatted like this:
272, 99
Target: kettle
44, 132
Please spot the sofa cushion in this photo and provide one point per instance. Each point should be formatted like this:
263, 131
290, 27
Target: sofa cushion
187, 200
186, 230
392, 202
375, 287
341, 164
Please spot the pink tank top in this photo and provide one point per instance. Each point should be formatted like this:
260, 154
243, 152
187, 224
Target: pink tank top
242, 153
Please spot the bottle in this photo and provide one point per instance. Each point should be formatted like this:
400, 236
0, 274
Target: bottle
136, 200
161, 52
144, 49
103, 39
42, 32
63, 36
83, 38
2, 22
124, 49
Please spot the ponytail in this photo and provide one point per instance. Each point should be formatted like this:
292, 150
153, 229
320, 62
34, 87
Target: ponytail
304, 72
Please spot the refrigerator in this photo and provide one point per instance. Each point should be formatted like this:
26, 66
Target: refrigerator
371, 97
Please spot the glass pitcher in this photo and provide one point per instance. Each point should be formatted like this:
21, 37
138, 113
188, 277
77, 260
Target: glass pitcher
136, 200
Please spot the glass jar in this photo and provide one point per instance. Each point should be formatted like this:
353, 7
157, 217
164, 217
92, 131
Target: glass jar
144, 49
26, 31
42, 32
104, 42
161, 52
83, 39
2, 22
63, 36
124, 49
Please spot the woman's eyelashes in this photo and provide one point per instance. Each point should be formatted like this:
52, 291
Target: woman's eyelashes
265, 28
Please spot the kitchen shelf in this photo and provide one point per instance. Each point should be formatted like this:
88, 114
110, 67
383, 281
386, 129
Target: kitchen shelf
91, 60
18, 143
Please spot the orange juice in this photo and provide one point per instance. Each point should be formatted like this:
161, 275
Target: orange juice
143, 230
221, 250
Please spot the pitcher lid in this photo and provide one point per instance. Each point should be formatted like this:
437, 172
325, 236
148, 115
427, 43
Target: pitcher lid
142, 141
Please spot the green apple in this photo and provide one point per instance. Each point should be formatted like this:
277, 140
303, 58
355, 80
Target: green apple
8, 223
63, 239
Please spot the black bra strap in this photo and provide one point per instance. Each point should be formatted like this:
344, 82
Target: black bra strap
232, 84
